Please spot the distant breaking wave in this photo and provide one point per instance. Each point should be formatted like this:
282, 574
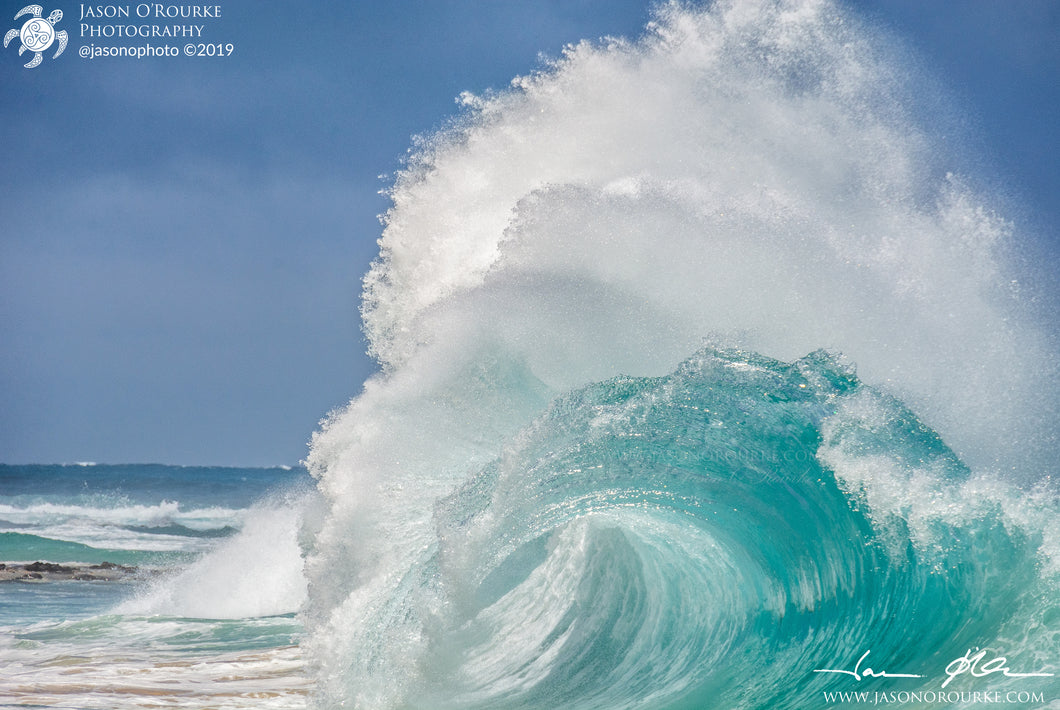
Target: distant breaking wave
701, 371
120, 524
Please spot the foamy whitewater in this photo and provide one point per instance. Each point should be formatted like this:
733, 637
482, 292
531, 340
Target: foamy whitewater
702, 371
161, 586
705, 372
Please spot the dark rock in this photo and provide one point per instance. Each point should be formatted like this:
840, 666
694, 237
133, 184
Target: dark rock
49, 572
112, 566
47, 567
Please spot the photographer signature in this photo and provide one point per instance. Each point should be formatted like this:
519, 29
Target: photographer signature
968, 663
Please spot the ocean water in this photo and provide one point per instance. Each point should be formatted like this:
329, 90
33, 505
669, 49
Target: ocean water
708, 380
204, 616
707, 365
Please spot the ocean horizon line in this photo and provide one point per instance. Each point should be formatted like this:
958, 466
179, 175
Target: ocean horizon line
92, 464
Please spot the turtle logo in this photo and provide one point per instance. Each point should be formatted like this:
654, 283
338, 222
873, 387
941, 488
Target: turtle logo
38, 34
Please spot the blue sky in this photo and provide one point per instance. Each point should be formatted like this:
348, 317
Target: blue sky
182, 239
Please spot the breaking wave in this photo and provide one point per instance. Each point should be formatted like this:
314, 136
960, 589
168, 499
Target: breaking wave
619, 455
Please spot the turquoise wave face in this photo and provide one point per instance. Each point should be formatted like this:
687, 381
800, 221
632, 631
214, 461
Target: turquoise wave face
686, 541
497, 532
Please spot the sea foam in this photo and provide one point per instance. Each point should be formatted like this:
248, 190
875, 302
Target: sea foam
753, 177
